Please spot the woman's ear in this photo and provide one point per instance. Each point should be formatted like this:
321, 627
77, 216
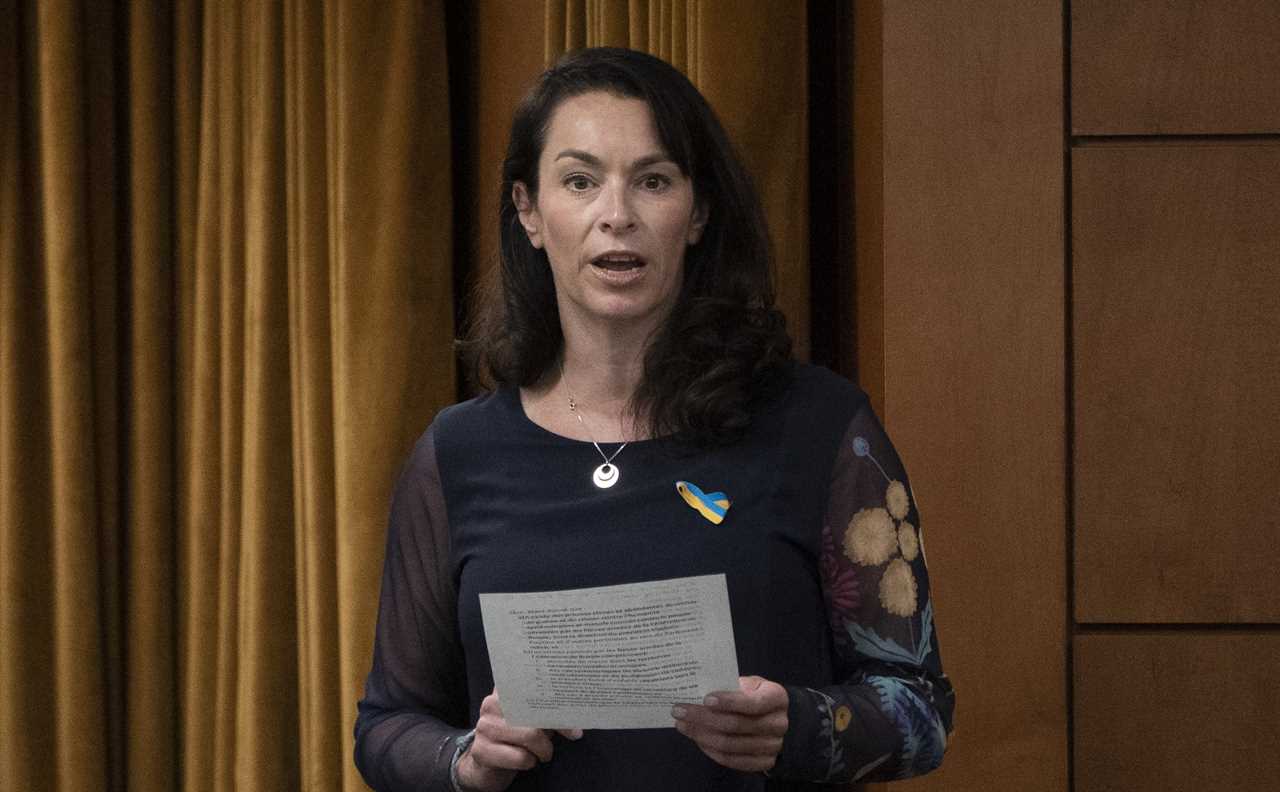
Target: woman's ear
528, 213
698, 224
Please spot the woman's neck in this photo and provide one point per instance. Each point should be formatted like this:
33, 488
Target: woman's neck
601, 376
600, 370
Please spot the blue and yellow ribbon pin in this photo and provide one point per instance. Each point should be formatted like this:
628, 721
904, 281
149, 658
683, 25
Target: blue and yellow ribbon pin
712, 506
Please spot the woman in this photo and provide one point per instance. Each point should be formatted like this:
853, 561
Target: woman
633, 344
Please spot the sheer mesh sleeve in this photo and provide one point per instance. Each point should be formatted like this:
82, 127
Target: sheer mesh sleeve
891, 715
414, 705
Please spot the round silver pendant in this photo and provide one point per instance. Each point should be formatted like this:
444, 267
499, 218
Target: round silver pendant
605, 476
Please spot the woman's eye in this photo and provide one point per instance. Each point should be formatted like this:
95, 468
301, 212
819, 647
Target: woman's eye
578, 183
655, 182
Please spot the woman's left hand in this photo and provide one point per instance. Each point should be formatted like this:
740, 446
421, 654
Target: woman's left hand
740, 729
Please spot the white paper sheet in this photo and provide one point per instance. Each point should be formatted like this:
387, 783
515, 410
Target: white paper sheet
613, 657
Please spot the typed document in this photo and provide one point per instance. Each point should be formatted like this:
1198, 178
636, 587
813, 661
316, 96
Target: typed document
613, 657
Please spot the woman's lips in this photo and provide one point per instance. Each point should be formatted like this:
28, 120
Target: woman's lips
617, 262
618, 269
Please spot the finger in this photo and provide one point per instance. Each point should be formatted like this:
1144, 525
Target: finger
753, 744
492, 728
474, 775
570, 734
745, 763
748, 687
535, 741
490, 756
772, 724
755, 696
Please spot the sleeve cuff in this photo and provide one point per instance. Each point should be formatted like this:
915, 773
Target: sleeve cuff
810, 751
461, 743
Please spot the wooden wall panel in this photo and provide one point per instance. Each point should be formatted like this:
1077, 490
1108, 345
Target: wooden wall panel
1175, 67
868, 203
973, 341
1177, 369
1177, 711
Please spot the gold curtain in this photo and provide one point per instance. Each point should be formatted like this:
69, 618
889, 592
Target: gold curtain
666, 28
226, 307
750, 59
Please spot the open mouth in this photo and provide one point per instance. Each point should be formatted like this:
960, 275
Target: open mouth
618, 262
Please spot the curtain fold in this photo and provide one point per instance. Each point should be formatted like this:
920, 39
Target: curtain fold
311, 409
392, 291
226, 312
58, 489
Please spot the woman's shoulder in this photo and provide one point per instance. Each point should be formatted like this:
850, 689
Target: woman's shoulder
819, 388
455, 430
479, 407
816, 403
488, 413
808, 425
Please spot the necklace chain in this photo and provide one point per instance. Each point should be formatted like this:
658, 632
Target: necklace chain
605, 475
573, 408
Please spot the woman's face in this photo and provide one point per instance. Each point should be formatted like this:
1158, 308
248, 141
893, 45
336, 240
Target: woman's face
613, 213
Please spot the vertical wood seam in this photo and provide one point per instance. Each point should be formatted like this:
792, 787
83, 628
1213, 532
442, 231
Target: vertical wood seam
1068, 396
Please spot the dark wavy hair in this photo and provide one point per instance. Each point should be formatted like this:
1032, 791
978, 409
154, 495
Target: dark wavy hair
724, 347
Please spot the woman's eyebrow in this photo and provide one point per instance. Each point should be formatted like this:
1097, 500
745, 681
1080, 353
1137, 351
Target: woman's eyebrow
651, 159
578, 154
594, 161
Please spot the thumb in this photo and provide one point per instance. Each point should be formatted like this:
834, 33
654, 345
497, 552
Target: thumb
750, 684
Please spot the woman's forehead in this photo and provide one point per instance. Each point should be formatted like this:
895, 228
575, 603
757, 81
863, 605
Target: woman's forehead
602, 125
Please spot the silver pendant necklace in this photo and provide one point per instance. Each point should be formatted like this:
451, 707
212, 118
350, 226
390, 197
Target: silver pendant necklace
605, 475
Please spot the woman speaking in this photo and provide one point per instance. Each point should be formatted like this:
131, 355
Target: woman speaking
645, 421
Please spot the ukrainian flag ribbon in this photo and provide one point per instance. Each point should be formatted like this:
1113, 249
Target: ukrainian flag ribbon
710, 505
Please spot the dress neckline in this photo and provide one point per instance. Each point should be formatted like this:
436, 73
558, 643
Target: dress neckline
510, 396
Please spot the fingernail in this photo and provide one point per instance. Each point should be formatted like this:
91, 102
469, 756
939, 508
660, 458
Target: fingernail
711, 701
678, 712
575, 734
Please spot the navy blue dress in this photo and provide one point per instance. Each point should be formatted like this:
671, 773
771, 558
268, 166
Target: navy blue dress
821, 549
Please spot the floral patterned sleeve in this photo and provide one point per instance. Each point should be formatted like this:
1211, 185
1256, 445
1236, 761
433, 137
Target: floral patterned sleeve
891, 715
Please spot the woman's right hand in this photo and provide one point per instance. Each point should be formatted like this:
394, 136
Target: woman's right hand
501, 750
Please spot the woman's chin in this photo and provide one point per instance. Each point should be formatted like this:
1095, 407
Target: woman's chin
626, 312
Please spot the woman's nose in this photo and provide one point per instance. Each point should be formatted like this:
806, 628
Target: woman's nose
616, 214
